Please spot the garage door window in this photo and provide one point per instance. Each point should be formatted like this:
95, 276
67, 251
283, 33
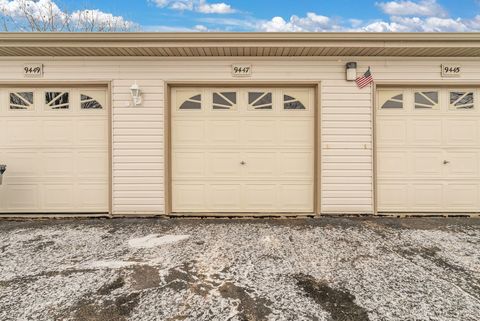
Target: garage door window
290, 102
21, 100
461, 100
88, 102
57, 100
426, 100
391, 99
224, 100
193, 103
260, 100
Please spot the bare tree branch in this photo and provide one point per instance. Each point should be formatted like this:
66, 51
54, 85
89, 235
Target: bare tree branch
46, 15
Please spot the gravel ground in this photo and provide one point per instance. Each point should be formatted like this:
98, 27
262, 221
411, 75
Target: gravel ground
179, 269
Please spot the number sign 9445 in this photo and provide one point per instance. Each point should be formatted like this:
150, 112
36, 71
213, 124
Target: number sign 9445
451, 71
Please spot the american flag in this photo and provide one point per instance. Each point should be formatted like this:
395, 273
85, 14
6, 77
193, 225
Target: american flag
364, 80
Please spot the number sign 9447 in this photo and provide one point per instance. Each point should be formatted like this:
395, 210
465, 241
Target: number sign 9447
241, 70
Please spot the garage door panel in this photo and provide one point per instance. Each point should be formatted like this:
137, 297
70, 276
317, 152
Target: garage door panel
392, 133
296, 164
260, 164
427, 164
60, 164
462, 132
57, 160
92, 196
58, 133
23, 133
225, 164
296, 197
260, 197
224, 197
259, 132
462, 164
189, 197
428, 196
92, 133
189, 164
296, 132
92, 164
252, 149
438, 168
392, 196
186, 132
22, 197
426, 132
392, 164
462, 196
222, 132
58, 196
22, 164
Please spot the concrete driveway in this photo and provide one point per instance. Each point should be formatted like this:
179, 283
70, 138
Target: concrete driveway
178, 269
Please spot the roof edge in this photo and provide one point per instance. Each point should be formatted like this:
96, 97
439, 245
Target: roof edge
235, 36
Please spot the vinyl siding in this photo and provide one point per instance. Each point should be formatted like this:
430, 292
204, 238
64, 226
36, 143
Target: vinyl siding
346, 148
138, 149
138, 132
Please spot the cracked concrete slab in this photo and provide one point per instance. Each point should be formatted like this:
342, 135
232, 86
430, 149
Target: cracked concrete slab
261, 269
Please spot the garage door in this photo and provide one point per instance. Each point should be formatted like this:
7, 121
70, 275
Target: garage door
428, 147
54, 142
242, 150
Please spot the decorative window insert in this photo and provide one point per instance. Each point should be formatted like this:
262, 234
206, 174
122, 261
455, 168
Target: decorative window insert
461, 100
192, 103
290, 102
426, 100
88, 102
260, 100
390, 99
225, 100
22, 100
57, 100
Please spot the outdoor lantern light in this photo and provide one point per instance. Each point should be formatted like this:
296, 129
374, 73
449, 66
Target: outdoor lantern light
135, 91
351, 71
3, 168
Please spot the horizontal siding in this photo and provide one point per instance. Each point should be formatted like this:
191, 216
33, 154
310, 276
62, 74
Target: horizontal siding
346, 148
138, 132
138, 149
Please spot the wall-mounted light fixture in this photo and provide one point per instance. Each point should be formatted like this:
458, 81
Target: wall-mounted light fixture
351, 68
136, 94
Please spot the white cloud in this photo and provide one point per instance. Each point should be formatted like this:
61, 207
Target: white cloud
427, 8
221, 8
396, 23
36, 9
200, 28
100, 19
311, 22
201, 6
416, 24
46, 15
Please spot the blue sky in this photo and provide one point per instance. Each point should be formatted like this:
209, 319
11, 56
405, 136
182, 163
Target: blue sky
287, 15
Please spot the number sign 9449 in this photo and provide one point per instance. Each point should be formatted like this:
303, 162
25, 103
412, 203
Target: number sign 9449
33, 70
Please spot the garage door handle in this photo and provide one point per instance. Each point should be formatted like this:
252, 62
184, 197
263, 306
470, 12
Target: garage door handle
445, 162
242, 163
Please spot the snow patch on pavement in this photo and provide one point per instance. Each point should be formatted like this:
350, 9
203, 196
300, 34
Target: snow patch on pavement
111, 264
154, 240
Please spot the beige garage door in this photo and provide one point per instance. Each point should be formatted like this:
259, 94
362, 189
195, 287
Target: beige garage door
242, 150
54, 142
428, 147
